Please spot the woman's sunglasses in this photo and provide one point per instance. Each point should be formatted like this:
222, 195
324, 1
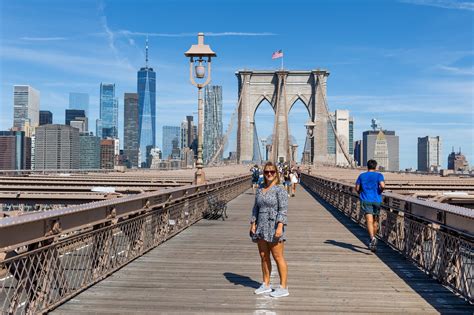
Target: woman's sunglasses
269, 172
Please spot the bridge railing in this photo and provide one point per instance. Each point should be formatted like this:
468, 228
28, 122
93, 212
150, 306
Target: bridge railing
50, 257
438, 238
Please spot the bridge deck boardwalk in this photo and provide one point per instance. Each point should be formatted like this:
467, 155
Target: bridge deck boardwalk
213, 267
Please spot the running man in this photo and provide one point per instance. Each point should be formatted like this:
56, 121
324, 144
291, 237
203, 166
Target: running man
370, 185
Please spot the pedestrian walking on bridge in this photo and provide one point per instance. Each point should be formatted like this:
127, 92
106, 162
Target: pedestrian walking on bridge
370, 185
267, 229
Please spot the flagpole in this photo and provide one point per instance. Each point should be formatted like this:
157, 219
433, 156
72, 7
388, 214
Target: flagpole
282, 62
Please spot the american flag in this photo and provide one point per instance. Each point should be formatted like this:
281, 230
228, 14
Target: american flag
277, 54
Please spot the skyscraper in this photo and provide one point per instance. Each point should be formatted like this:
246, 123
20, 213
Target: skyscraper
79, 124
107, 153
212, 121
382, 146
131, 135
26, 104
72, 114
15, 153
344, 125
184, 135
146, 87
429, 154
171, 136
98, 128
79, 101
89, 149
358, 156
457, 162
108, 111
45, 117
57, 147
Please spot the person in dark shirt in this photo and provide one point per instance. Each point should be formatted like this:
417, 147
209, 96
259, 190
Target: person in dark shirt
370, 185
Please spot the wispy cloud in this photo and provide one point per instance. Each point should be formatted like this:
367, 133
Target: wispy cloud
111, 37
445, 4
457, 70
152, 34
43, 39
91, 66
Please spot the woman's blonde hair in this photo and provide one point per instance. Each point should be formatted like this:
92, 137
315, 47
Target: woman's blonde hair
277, 175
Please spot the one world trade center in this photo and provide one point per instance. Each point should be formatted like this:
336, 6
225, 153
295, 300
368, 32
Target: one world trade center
146, 87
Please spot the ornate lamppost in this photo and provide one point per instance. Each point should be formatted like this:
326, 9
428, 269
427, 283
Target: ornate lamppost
200, 58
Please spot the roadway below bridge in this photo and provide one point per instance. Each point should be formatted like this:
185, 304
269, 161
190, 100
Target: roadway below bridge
213, 267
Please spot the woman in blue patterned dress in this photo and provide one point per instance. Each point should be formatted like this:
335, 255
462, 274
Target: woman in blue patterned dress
267, 229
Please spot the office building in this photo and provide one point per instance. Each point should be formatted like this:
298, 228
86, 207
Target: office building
33, 144
188, 137
56, 147
457, 162
184, 135
45, 117
89, 151
344, 125
131, 145
212, 137
108, 111
98, 128
382, 146
15, 153
79, 101
79, 125
429, 154
107, 153
73, 114
358, 154
171, 136
26, 105
146, 87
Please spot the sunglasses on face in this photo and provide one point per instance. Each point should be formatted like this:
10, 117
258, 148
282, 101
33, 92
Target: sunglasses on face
269, 172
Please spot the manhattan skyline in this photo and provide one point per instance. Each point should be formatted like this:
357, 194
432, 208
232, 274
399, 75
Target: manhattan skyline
408, 63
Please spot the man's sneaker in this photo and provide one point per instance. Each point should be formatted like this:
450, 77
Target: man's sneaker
373, 245
280, 292
263, 289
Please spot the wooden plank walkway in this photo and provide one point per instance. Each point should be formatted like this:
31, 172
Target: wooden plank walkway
213, 268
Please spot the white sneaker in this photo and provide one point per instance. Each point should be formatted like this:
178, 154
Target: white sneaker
263, 289
280, 292
373, 245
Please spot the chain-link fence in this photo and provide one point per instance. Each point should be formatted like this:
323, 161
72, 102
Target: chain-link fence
443, 251
38, 276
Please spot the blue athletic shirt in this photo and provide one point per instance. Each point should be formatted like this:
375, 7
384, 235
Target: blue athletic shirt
369, 186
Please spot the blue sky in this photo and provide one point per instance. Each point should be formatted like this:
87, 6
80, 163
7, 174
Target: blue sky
408, 63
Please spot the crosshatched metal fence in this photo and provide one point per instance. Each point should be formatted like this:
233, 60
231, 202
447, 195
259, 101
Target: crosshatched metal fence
443, 251
39, 274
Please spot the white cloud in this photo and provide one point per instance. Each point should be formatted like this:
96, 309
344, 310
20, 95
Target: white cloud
445, 4
457, 70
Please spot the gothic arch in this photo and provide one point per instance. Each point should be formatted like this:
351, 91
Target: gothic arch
281, 89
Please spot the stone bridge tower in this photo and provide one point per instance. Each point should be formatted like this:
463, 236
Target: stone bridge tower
282, 89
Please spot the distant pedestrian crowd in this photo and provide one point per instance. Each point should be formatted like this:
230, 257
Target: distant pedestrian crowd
290, 177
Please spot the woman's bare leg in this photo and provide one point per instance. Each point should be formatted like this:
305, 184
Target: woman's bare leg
264, 250
277, 253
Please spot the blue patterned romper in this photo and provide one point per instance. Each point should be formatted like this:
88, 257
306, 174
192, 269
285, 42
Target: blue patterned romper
270, 208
